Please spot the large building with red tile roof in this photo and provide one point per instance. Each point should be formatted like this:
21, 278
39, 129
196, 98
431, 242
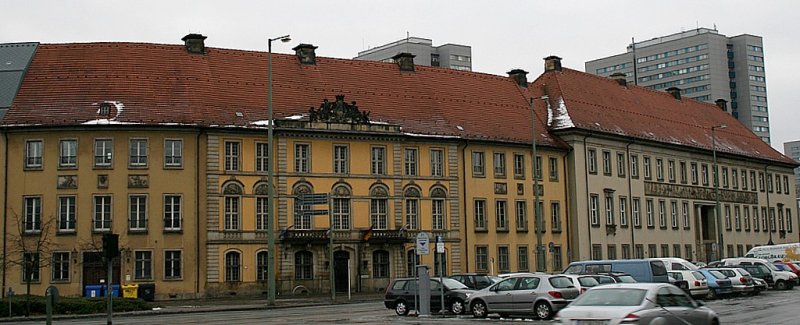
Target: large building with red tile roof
166, 145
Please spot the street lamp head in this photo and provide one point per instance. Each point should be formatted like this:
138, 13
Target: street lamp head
286, 39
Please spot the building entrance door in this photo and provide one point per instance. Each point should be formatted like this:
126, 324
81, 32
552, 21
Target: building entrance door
341, 262
94, 269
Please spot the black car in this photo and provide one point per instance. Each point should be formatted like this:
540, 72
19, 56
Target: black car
474, 281
400, 295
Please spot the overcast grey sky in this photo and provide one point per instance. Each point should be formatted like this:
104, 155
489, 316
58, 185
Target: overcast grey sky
503, 34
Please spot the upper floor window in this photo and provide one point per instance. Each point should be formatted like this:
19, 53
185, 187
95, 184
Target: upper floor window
138, 153
537, 167
341, 159
634, 166
172, 212
594, 202
478, 163
102, 213
103, 149
33, 214
671, 171
606, 162
553, 168
480, 214
232, 153
410, 161
33, 154
684, 176
704, 172
694, 173
620, 164
137, 212
68, 153
437, 162
499, 164
173, 153
725, 177
378, 160
262, 157
591, 161
66, 213
659, 169
519, 165
302, 157
501, 216
647, 169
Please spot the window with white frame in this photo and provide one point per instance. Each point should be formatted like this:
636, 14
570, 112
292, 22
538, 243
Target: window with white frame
737, 217
593, 207
671, 170
555, 215
521, 209
727, 217
685, 213
341, 160
609, 209
303, 265
262, 266
480, 214
662, 213
591, 161
746, 217
410, 161
537, 168
60, 266
172, 264
66, 213
694, 173
623, 210
553, 168
647, 168
33, 214
137, 212
499, 164
68, 153
620, 164
606, 162
704, 172
636, 206
500, 215
143, 265
378, 213
262, 157
674, 213
137, 153
519, 166
233, 266
650, 212
478, 163
232, 155
262, 209
437, 162
302, 157
437, 213
341, 213
659, 169
684, 175
172, 212
33, 154
173, 153
634, 166
378, 160
412, 213
102, 213
103, 149
232, 213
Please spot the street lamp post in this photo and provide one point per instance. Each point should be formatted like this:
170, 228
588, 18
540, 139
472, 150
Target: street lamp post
720, 249
270, 175
537, 215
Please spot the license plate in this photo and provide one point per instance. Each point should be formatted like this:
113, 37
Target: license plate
592, 322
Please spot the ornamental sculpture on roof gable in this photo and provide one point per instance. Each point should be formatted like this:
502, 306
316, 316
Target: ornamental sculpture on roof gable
338, 112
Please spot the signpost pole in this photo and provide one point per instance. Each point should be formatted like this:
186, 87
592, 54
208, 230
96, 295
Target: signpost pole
440, 252
330, 252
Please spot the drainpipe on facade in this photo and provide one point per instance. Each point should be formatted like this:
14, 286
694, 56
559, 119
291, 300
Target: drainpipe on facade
565, 228
630, 194
588, 198
465, 209
5, 213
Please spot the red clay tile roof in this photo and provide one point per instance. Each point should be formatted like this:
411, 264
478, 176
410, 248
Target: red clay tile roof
599, 104
159, 84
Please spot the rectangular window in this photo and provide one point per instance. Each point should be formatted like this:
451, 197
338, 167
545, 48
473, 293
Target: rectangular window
481, 258
611, 252
769, 183
788, 220
734, 179
232, 155
302, 157
593, 206
553, 168
522, 258
33, 214
637, 208
591, 161
173, 153
597, 252
623, 210
684, 175
522, 215
778, 184
688, 251
519, 166
499, 164
724, 176
66, 213
652, 250
626, 251
172, 264
378, 159
662, 213
558, 263
537, 168
31, 260
480, 215
761, 181
172, 212
664, 250
437, 214
262, 157
412, 213
341, 214
638, 251
262, 208
437, 162
634, 166
606, 163
33, 154
478, 163
674, 213
378, 214
143, 265
786, 184
502, 259
137, 212
650, 213
341, 160
555, 216
647, 169
694, 173
704, 172
68, 153
609, 209
737, 218
103, 149
659, 169
410, 161
102, 213
685, 214
744, 179
755, 219
671, 171
500, 214
620, 164
380, 264
746, 218
232, 213
727, 217
60, 266
753, 180
137, 153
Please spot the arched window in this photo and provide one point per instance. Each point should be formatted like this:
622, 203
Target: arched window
379, 207
262, 266
438, 214
303, 265
232, 192
260, 191
301, 220
412, 207
341, 207
233, 264
411, 262
380, 264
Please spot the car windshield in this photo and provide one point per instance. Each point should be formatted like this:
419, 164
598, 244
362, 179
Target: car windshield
611, 297
772, 266
453, 284
605, 279
717, 274
588, 281
560, 282
698, 275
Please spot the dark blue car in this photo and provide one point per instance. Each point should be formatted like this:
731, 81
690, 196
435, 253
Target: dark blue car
718, 284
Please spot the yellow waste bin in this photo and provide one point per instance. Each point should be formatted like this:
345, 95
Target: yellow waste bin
130, 291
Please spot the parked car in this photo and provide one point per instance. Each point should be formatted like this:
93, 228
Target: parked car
759, 285
538, 295
783, 252
584, 282
400, 295
758, 273
636, 303
718, 284
641, 270
676, 263
618, 277
604, 279
741, 280
474, 281
696, 282
788, 267
782, 279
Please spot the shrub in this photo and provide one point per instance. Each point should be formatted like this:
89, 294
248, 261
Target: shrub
69, 305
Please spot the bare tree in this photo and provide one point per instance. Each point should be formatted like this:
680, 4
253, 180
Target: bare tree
30, 247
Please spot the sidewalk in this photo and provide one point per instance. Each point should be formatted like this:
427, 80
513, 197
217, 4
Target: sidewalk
224, 304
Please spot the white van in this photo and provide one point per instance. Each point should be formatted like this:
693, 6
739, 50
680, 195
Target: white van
783, 252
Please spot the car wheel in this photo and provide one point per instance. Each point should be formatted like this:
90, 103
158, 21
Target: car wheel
543, 310
780, 285
712, 294
457, 307
401, 308
479, 309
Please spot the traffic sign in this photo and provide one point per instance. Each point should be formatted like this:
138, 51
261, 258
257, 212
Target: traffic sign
315, 198
423, 244
315, 212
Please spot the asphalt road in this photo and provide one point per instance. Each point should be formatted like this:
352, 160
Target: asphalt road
772, 307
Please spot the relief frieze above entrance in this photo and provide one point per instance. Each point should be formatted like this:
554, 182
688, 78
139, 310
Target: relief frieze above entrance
698, 193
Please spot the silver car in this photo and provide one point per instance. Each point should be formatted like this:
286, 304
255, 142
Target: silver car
538, 295
639, 303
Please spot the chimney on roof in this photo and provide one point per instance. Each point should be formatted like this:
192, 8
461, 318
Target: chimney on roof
552, 63
675, 92
405, 61
722, 104
195, 43
620, 78
520, 76
306, 54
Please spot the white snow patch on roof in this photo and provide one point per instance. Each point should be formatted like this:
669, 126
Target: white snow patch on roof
431, 135
260, 123
379, 122
561, 118
104, 121
296, 117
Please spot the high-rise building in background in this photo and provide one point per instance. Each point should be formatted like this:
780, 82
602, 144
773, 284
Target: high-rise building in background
451, 56
792, 149
705, 65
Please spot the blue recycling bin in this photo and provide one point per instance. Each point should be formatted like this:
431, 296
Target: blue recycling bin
114, 290
94, 291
